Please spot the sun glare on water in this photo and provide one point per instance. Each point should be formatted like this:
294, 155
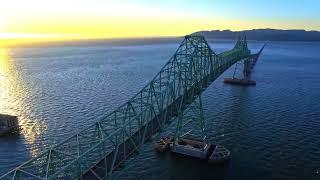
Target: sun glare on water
13, 92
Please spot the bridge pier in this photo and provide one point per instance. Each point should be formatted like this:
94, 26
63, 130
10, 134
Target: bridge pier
248, 65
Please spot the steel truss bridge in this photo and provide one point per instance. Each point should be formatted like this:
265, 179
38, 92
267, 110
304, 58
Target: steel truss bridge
174, 94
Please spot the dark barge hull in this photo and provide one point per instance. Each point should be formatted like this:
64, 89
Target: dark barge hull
8, 124
240, 82
190, 151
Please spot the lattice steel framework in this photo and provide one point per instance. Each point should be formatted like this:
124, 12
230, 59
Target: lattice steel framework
246, 65
97, 150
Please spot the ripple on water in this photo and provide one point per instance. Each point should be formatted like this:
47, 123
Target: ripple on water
272, 129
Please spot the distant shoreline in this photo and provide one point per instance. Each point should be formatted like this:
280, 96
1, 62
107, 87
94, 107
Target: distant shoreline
271, 35
264, 35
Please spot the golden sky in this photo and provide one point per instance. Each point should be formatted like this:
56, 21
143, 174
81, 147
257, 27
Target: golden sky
77, 19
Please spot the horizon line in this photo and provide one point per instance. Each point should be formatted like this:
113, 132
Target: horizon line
35, 36
24, 39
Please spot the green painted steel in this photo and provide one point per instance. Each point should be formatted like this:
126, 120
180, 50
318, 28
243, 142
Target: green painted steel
174, 93
249, 64
246, 66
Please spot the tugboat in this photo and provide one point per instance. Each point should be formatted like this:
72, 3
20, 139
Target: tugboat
163, 144
8, 124
219, 155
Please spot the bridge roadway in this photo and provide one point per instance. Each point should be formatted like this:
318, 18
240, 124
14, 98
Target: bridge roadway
95, 152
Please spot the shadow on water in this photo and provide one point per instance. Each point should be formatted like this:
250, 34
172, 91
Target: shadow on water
184, 168
9, 151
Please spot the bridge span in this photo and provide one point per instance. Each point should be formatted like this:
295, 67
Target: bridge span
174, 94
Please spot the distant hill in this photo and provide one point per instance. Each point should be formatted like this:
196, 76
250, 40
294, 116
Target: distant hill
264, 34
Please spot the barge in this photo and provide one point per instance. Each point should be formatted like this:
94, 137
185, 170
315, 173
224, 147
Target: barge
241, 82
8, 124
191, 148
214, 154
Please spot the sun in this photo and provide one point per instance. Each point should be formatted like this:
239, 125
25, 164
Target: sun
2, 25
3, 33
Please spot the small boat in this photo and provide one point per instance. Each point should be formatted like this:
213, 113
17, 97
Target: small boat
219, 154
163, 144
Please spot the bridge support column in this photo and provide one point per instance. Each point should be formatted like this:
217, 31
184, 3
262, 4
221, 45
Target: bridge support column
248, 65
245, 80
191, 122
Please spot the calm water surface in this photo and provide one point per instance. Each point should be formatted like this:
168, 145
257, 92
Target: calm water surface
272, 129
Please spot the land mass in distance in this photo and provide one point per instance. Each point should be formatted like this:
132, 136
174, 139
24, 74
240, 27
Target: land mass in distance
263, 34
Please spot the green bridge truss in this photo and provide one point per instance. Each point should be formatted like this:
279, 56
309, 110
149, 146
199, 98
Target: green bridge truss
173, 94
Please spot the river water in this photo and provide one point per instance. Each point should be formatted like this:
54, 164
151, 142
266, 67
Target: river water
272, 129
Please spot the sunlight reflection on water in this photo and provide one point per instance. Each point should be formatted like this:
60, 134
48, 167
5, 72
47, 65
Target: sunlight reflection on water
13, 94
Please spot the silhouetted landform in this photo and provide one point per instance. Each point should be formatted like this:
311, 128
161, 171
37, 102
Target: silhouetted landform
98, 42
264, 34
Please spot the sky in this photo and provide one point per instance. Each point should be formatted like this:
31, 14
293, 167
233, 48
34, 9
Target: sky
59, 19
